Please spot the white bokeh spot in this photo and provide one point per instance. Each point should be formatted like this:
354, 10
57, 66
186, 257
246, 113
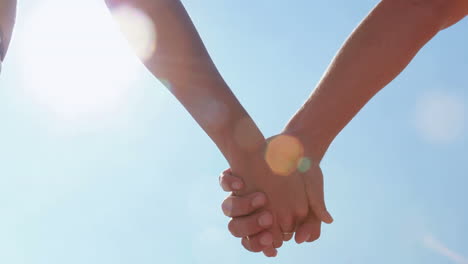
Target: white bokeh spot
440, 117
138, 29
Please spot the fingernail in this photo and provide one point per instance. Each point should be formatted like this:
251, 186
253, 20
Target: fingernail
266, 240
308, 237
265, 220
258, 201
237, 186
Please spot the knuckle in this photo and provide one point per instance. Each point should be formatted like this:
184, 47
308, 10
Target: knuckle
287, 220
302, 212
235, 206
257, 200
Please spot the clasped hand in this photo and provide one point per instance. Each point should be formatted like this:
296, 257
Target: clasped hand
276, 191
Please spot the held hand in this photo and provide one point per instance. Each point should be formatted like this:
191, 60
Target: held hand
238, 207
287, 199
249, 217
304, 209
288, 157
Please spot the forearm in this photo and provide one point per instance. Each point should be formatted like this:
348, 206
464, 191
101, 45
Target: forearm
181, 61
7, 20
375, 53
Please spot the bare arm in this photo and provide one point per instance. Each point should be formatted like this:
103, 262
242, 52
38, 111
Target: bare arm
375, 53
7, 21
182, 62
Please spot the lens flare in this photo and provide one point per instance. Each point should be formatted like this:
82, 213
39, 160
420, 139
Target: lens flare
437, 246
284, 154
138, 29
212, 113
304, 165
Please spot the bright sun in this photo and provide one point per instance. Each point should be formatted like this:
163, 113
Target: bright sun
74, 60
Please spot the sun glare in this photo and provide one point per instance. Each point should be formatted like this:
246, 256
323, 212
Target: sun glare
138, 29
74, 60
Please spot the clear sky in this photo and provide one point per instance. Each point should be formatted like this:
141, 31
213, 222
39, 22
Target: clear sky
100, 164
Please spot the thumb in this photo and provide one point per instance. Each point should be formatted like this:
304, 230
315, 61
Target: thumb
320, 210
323, 214
315, 193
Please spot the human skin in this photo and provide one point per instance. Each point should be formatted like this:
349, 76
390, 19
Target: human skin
196, 77
183, 64
7, 21
247, 211
380, 48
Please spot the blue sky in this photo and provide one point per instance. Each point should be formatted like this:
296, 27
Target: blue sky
100, 164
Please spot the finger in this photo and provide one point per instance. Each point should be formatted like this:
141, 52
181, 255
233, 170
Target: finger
270, 252
259, 242
277, 235
320, 210
287, 236
229, 182
235, 206
287, 227
316, 196
250, 225
318, 207
309, 230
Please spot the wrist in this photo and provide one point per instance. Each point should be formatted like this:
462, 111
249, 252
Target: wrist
312, 138
240, 140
